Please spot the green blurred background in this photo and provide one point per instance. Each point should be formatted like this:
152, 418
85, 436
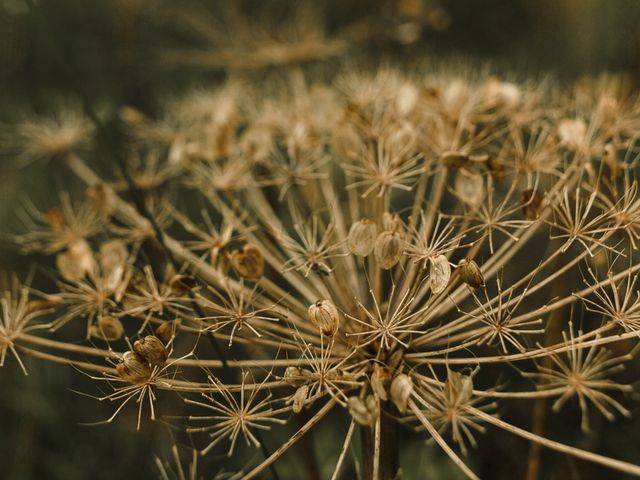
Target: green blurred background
140, 52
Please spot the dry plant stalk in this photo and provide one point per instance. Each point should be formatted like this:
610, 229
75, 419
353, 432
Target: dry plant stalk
358, 247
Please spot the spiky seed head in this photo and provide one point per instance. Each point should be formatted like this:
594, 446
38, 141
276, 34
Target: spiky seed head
133, 368
401, 389
388, 249
471, 273
151, 349
325, 316
362, 237
248, 262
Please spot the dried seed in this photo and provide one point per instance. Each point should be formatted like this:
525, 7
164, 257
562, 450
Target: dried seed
168, 330
325, 316
133, 368
454, 160
299, 398
182, 284
151, 349
439, 273
401, 389
388, 249
362, 237
469, 186
248, 262
107, 328
471, 273
366, 411
391, 222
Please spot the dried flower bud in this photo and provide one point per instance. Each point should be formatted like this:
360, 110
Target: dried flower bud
299, 398
469, 186
401, 389
454, 159
182, 284
325, 316
470, 273
388, 249
107, 328
362, 237
439, 273
248, 262
366, 411
151, 349
531, 202
168, 330
133, 368
380, 379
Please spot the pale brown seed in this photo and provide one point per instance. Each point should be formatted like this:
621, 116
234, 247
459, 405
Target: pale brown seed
366, 411
182, 284
299, 398
380, 380
325, 316
469, 186
439, 273
151, 349
388, 249
248, 262
133, 368
362, 237
166, 331
401, 389
107, 328
471, 273
454, 159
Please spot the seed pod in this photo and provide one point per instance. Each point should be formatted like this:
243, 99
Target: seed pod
380, 379
168, 330
294, 376
391, 223
362, 237
299, 398
439, 273
388, 249
107, 328
469, 186
75, 263
248, 262
151, 349
401, 389
325, 316
366, 411
182, 284
454, 159
470, 273
531, 202
133, 368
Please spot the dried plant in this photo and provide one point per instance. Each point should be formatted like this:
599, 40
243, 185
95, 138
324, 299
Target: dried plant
354, 248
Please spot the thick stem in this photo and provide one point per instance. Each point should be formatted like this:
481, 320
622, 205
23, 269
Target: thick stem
388, 461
